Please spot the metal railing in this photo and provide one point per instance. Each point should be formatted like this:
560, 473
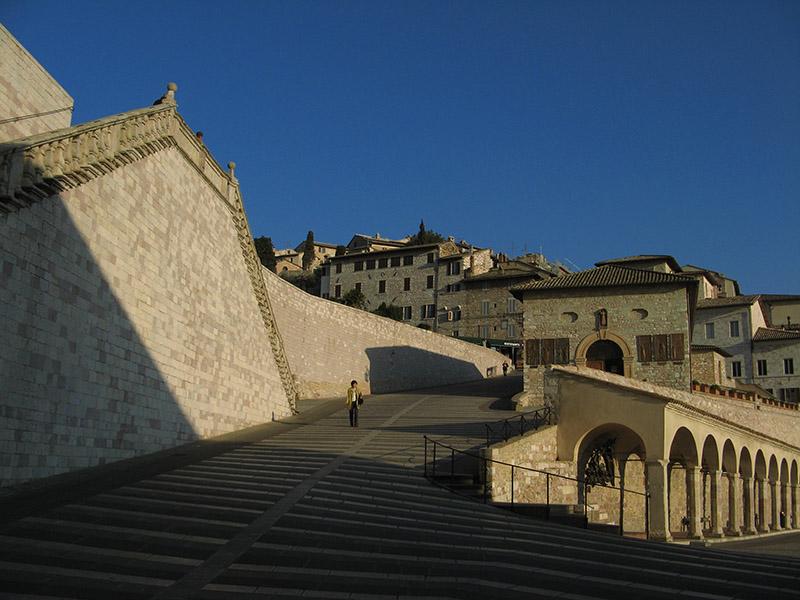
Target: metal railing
580, 484
517, 426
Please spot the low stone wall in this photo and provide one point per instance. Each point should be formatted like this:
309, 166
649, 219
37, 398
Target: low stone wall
534, 450
328, 344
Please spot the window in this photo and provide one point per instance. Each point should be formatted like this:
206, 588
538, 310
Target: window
453, 268
338, 267
358, 287
736, 368
358, 266
485, 331
485, 286
455, 333
456, 314
370, 263
337, 291
512, 305
383, 263
734, 328
382, 286
788, 366
395, 261
408, 260
485, 308
406, 313
453, 287
512, 330
709, 331
430, 257
504, 324
429, 282
407, 284
761, 367
428, 311
790, 395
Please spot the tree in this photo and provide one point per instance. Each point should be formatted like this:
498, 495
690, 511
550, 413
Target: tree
355, 298
307, 281
266, 252
308, 251
341, 250
425, 236
389, 311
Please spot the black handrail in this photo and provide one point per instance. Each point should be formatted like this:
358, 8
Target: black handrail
580, 482
518, 426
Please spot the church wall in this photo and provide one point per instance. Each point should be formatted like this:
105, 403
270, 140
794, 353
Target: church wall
27, 89
129, 323
328, 344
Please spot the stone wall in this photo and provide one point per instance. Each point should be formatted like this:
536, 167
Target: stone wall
30, 98
631, 312
129, 322
329, 344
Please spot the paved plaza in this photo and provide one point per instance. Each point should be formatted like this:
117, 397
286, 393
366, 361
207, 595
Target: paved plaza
312, 508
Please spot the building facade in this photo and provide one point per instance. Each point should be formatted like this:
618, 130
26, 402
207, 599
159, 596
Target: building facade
619, 319
421, 280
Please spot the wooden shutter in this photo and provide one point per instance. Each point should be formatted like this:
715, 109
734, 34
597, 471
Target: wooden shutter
676, 346
644, 344
661, 349
548, 354
532, 352
562, 351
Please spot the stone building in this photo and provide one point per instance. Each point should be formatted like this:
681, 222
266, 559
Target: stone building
776, 356
484, 310
422, 280
635, 322
369, 243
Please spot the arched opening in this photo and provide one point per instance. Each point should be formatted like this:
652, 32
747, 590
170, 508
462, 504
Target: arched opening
605, 355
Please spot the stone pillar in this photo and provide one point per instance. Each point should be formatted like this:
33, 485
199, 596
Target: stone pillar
658, 488
761, 512
785, 507
694, 488
734, 505
749, 506
716, 517
794, 510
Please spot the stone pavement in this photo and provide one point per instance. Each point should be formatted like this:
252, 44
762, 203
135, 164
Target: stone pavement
313, 508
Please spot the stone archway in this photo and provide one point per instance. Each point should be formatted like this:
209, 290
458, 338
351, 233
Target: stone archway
618, 353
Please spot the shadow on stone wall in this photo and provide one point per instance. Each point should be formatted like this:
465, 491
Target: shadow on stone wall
395, 368
79, 386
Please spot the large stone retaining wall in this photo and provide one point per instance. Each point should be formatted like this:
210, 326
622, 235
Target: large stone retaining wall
129, 322
31, 101
328, 344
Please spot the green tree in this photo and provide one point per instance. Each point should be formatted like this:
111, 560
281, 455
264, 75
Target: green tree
308, 251
355, 298
307, 281
266, 252
425, 236
390, 311
341, 250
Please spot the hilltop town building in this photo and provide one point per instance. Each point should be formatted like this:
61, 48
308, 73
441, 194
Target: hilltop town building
421, 280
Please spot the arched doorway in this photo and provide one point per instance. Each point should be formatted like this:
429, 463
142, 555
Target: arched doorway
605, 355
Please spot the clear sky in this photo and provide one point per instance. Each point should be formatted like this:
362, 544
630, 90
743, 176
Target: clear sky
586, 130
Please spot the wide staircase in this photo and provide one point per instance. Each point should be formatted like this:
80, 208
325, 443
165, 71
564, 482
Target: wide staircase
312, 508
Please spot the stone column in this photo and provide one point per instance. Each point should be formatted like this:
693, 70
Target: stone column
734, 505
694, 488
786, 507
794, 510
761, 511
716, 517
657, 487
749, 506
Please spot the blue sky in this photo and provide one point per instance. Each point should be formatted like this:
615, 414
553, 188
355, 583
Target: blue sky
586, 130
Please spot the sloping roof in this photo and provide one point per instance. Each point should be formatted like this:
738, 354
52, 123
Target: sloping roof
642, 258
511, 270
731, 301
768, 334
717, 349
606, 276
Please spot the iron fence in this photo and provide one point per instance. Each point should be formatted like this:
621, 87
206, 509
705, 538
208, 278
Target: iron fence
517, 426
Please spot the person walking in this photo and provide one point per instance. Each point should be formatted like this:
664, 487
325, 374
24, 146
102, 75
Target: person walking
353, 401
505, 368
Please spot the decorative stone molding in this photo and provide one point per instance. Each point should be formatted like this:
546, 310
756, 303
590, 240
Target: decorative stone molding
39, 166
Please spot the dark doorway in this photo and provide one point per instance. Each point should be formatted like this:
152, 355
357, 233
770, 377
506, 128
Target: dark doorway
605, 355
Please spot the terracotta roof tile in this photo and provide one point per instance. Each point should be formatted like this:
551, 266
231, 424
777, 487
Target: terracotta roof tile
732, 301
607, 276
768, 334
